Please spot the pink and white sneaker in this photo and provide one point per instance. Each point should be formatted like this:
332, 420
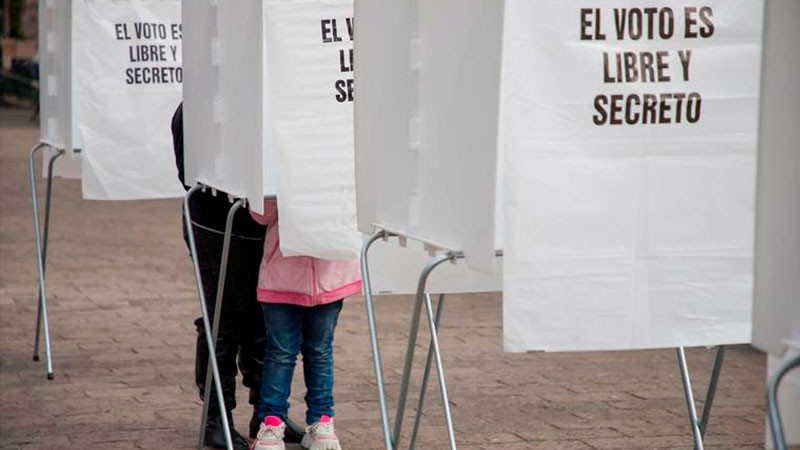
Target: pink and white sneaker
270, 435
321, 436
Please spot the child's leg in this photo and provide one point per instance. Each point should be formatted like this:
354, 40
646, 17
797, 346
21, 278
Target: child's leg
284, 325
319, 324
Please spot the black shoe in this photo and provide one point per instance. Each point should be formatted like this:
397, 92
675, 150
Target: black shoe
294, 433
215, 435
255, 425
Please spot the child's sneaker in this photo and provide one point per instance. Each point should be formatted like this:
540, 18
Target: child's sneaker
270, 436
321, 436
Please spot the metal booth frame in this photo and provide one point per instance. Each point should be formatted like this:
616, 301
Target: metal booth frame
391, 438
773, 412
212, 330
42, 317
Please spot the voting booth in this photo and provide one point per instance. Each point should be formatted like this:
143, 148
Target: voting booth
426, 130
278, 119
110, 77
630, 163
127, 73
426, 122
268, 112
626, 160
268, 100
776, 309
110, 74
606, 153
629, 174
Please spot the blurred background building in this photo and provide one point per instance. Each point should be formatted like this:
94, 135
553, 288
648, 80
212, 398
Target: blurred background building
19, 27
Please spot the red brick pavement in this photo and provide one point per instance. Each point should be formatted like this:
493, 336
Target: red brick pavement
122, 300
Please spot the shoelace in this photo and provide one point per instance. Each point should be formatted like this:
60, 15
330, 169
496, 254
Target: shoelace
266, 431
323, 428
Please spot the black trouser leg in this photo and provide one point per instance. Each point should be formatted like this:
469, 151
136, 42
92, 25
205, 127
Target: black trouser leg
237, 329
251, 353
226, 360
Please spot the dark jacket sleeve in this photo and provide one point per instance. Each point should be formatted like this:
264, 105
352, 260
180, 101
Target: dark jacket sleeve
177, 141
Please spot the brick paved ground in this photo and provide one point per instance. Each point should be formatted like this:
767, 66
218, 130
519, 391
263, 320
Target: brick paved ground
122, 303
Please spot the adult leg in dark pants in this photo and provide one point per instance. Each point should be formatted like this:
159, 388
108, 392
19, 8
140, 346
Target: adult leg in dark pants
241, 336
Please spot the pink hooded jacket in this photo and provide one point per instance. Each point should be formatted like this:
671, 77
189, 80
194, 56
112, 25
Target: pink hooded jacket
301, 280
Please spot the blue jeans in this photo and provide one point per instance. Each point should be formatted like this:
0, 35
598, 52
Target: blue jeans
292, 329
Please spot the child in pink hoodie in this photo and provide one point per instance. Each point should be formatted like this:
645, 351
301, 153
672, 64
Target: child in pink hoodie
301, 297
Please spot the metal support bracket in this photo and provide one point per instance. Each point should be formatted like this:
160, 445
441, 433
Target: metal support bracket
210, 337
223, 268
700, 426
392, 440
775, 422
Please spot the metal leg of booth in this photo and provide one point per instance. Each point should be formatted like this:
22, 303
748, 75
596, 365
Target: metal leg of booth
212, 355
223, 268
412, 343
440, 372
42, 319
373, 338
48, 197
775, 422
425, 377
699, 427
719, 357
687, 390
391, 441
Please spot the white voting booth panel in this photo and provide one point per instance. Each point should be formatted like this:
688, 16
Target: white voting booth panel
776, 314
222, 93
201, 128
310, 117
55, 58
127, 67
276, 100
776, 310
626, 227
426, 119
56, 103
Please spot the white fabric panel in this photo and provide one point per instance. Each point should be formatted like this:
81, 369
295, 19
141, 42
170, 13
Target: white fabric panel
385, 166
426, 121
311, 125
395, 270
776, 314
201, 132
58, 120
57, 115
125, 110
241, 109
631, 235
224, 127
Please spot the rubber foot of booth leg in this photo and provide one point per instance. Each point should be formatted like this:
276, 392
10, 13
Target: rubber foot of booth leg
36, 357
50, 376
